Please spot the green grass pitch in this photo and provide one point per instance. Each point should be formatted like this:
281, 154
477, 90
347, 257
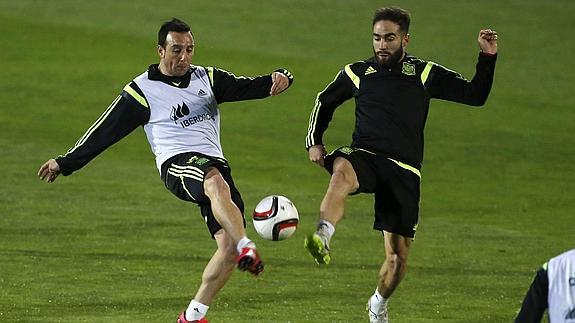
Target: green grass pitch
111, 244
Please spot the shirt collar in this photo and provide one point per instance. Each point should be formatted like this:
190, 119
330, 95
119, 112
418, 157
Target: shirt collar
183, 81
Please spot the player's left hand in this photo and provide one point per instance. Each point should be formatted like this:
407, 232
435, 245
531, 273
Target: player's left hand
280, 82
317, 154
487, 40
49, 171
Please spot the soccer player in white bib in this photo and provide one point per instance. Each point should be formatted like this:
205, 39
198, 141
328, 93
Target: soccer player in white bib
177, 105
553, 288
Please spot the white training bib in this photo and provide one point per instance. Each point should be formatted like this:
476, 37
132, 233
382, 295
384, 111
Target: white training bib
561, 298
182, 119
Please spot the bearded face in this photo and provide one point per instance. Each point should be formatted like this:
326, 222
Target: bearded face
388, 42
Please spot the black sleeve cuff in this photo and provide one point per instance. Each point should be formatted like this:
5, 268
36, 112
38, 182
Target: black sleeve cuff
316, 144
65, 169
485, 57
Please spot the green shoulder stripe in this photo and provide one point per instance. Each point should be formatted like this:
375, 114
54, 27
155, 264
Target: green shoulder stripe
425, 73
354, 78
136, 95
210, 74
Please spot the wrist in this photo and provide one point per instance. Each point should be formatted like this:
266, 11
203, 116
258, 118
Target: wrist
319, 146
487, 53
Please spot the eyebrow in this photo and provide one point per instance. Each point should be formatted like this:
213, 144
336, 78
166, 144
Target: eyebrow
182, 45
385, 35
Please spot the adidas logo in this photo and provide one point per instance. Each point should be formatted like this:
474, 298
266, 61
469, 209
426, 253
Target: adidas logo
370, 70
179, 112
202, 92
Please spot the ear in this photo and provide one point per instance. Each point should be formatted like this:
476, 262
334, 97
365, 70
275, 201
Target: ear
405, 40
161, 51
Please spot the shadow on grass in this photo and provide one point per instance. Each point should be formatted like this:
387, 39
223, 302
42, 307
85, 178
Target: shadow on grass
103, 255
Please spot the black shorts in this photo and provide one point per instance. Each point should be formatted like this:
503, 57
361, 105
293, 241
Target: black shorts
184, 175
394, 184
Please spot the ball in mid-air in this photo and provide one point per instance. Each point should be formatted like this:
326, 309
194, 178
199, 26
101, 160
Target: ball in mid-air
275, 218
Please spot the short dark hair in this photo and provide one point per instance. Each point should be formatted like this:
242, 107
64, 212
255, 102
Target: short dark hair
173, 25
394, 14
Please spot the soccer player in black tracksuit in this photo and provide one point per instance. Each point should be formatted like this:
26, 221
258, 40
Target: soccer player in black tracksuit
392, 91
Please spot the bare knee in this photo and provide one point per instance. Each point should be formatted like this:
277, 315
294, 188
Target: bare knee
215, 186
341, 183
343, 179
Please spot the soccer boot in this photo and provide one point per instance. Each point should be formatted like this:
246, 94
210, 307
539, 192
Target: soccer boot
377, 316
318, 247
182, 319
248, 260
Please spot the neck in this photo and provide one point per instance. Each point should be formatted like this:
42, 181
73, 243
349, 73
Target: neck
402, 57
164, 70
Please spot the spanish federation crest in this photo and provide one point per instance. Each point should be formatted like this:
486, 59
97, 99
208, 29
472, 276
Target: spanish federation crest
408, 69
346, 150
197, 160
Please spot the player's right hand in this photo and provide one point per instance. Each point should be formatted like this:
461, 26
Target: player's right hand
280, 82
316, 154
49, 171
487, 40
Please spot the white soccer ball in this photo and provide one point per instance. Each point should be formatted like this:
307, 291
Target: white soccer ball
275, 218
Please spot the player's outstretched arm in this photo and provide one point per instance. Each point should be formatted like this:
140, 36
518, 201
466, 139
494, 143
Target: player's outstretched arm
487, 40
49, 171
229, 88
451, 86
124, 115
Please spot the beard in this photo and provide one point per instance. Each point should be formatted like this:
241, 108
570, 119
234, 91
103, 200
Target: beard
392, 58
